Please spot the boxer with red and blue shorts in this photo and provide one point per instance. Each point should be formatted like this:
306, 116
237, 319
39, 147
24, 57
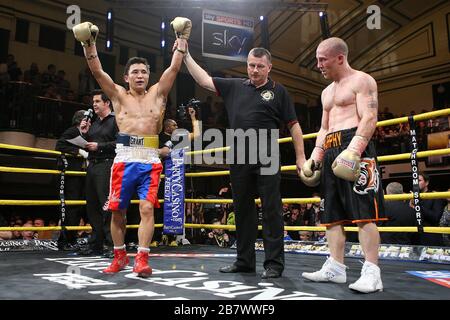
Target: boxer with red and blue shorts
136, 168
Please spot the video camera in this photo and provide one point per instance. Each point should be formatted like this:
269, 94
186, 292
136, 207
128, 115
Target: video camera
182, 110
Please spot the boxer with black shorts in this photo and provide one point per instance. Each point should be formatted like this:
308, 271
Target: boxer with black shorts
344, 162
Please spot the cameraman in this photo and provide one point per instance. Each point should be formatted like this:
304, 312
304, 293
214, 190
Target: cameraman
166, 143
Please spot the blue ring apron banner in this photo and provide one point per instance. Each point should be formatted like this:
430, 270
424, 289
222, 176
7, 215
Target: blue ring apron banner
174, 193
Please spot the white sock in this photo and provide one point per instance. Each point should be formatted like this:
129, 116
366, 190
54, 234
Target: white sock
122, 247
142, 249
368, 264
337, 265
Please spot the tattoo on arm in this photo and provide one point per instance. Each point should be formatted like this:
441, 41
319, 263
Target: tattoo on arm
373, 100
92, 57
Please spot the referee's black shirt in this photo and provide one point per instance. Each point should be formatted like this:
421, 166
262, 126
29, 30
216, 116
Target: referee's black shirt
249, 107
258, 108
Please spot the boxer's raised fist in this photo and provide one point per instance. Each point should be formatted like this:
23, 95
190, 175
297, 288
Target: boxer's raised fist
86, 33
182, 27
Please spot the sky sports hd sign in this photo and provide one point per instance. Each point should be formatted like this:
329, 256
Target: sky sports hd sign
226, 36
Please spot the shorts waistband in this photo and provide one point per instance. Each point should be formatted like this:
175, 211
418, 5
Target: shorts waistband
138, 141
339, 138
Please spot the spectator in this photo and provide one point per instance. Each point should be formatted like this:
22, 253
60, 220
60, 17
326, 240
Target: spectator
445, 222
386, 114
305, 235
83, 233
56, 233
86, 84
39, 222
70, 96
48, 77
5, 235
287, 237
431, 210
286, 211
15, 73
296, 220
74, 185
321, 237
51, 92
16, 234
28, 234
62, 84
41, 234
226, 191
32, 75
399, 214
312, 214
4, 75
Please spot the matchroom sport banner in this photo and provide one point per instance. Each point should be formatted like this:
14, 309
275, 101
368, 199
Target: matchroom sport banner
226, 36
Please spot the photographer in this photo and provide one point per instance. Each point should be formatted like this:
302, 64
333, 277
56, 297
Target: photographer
166, 144
213, 211
218, 236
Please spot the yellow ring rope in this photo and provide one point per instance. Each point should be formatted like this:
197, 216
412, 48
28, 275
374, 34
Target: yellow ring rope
388, 197
445, 230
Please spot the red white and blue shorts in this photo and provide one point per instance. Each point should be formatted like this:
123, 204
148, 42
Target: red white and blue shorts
135, 169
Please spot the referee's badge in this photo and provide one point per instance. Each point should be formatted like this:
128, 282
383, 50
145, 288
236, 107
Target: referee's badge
267, 95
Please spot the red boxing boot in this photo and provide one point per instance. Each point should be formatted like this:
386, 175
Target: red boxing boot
141, 266
119, 263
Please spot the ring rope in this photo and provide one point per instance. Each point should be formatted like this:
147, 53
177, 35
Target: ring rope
388, 197
445, 230
401, 156
418, 117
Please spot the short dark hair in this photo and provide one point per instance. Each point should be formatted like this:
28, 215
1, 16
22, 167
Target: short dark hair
102, 94
77, 117
135, 60
425, 176
167, 123
260, 52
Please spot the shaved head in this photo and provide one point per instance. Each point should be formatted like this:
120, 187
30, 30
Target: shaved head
335, 45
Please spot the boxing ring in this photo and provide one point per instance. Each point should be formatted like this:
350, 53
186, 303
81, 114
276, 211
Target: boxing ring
191, 272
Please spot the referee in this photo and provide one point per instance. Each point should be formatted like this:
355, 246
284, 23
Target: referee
255, 103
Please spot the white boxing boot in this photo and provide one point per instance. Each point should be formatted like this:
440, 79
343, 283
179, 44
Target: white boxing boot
370, 280
332, 271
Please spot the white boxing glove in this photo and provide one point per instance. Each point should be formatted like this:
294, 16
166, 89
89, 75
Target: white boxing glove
182, 27
86, 33
346, 165
311, 169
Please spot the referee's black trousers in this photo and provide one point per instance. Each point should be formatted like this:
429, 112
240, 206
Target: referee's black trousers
246, 182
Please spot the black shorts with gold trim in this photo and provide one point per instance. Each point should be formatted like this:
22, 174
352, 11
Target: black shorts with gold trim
347, 202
